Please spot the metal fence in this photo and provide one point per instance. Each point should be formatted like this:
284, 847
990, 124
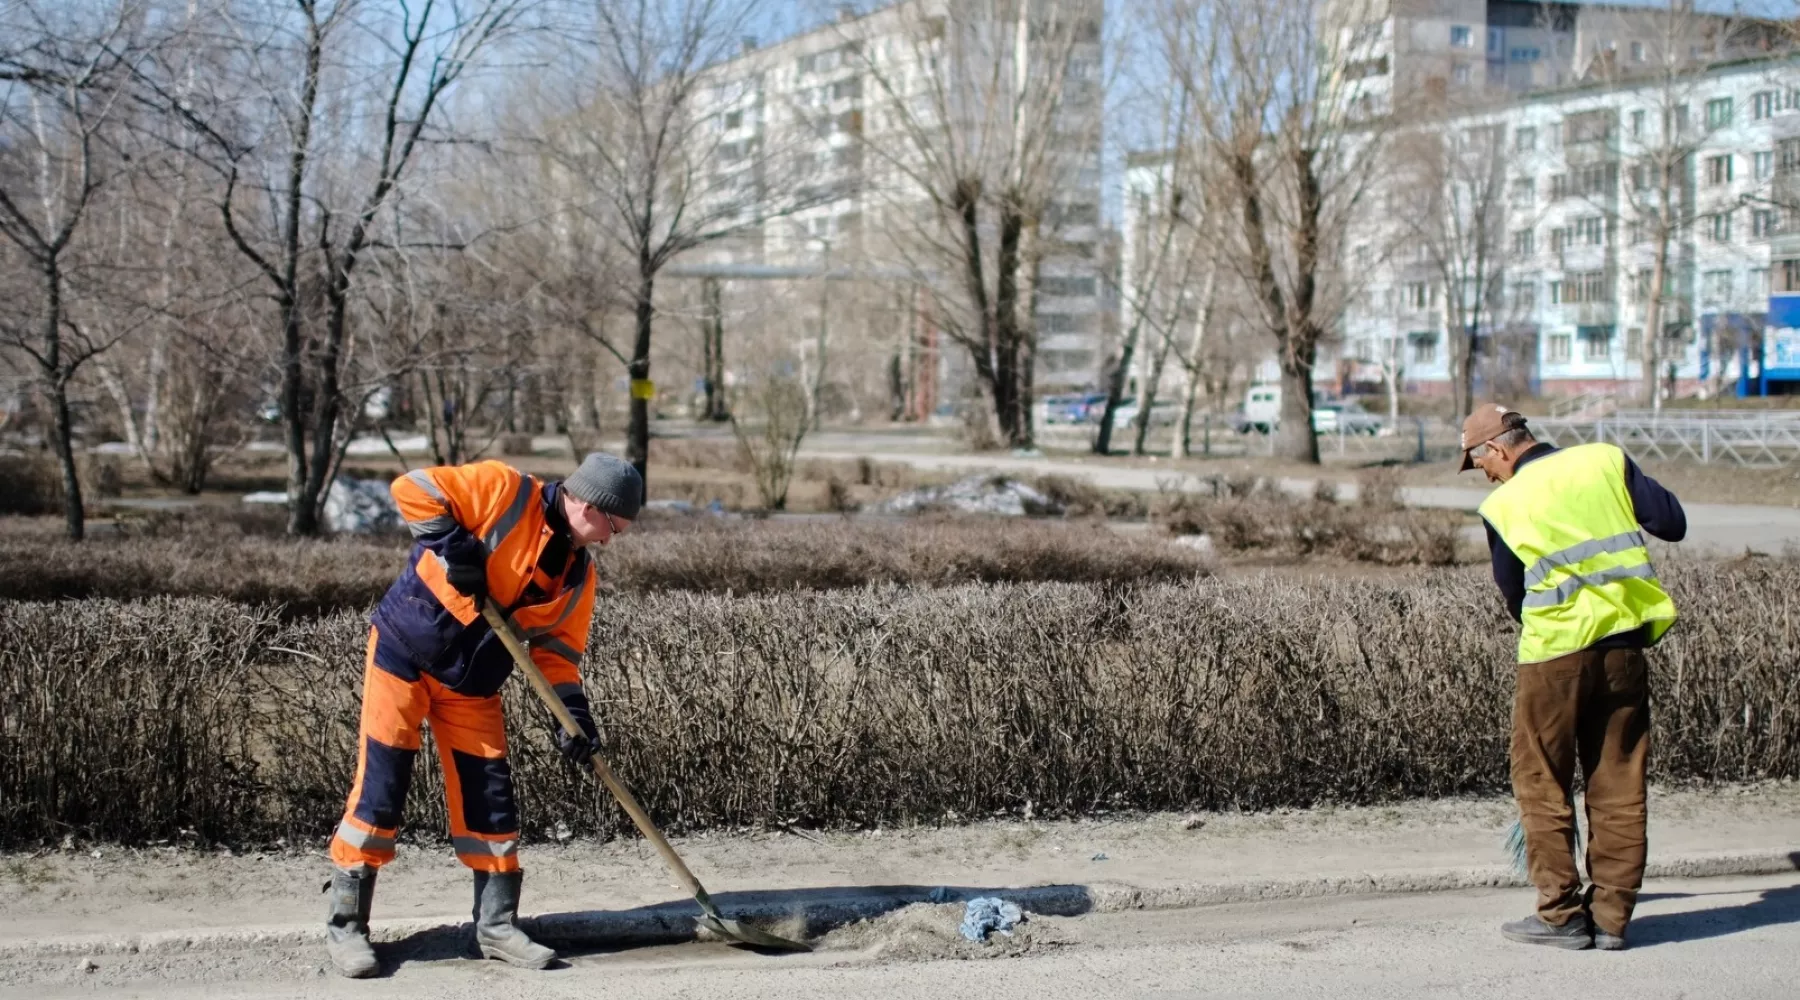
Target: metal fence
1732, 437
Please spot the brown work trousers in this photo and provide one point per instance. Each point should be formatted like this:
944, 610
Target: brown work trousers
1592, 706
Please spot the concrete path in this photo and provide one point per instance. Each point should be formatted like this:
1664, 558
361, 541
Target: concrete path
1703, 938
1374, 901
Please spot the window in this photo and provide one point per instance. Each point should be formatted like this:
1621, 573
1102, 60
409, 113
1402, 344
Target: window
1524, 296
1718, 227
1763, 223
1718, 169
1634, 343
1362, 68
1596, 343
1556, 348
1788, 276
1424, 347
1559, 187
1637, 123
1718, 112
851, 88
1591, 231
1462, 36
734, 120
1764, 163
1525, 55
1759, 283
1637, 51
1579, 286
1460, 72
1640, 286
1074, 287
1676, 118
1417, 294
1525, 140
1764, 103
1496, 40
1788, 160
1715, 287
1561, 238
1523, 243
1524, 190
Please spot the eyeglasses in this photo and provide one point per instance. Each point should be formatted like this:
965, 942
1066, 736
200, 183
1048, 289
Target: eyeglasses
612, 526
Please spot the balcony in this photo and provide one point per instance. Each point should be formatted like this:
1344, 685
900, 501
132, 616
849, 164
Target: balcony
1589, 313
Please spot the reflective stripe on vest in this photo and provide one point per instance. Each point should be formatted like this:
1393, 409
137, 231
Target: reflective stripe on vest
1588, 574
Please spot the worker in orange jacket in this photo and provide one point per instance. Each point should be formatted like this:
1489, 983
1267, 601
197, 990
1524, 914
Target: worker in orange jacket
484, 531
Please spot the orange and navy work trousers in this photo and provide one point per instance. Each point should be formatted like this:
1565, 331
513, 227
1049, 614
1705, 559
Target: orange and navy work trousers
471, 740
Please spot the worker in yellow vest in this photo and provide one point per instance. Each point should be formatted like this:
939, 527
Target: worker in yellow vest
1566, 531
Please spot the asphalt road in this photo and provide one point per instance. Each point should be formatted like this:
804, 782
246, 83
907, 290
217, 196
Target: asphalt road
1695, 938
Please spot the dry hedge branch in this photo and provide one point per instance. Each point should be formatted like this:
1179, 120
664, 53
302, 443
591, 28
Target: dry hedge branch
878, 706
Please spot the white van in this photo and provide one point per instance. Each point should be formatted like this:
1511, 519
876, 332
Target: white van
1262, 408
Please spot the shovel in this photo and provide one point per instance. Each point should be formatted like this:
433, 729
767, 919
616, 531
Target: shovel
709, 918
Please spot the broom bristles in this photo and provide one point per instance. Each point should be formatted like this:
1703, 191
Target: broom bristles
1515, 848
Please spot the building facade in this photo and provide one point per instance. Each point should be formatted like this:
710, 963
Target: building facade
1572, 229
829, 96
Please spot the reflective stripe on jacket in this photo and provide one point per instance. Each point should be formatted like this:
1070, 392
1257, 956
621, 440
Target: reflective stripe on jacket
425, 625
1588, 573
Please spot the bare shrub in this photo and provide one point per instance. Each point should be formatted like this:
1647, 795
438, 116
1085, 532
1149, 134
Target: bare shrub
757, 557
1379, 487
1080, 498
680, 453
878, 706
769, 422
1269, 520
515, 444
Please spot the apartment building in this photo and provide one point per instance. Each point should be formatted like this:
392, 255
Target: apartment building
1572, 242
817, 92
1458, 51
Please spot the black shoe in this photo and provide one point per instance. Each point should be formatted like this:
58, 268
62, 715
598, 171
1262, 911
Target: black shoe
1572, 936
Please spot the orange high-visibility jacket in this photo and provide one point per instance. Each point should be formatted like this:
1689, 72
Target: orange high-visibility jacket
426, 626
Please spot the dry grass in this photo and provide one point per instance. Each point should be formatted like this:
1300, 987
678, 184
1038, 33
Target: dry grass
134, 721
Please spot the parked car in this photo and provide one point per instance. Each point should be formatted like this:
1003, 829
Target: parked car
1162, 412
1344, 416
1260, 411
1074, 408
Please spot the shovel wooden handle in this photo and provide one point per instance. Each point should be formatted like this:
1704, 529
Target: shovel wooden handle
539, 683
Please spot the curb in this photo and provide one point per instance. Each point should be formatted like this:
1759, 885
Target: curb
826, 909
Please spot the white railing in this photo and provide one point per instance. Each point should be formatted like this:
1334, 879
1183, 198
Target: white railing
1734, 437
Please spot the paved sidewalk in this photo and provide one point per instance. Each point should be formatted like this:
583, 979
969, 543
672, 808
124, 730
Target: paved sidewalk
78, 903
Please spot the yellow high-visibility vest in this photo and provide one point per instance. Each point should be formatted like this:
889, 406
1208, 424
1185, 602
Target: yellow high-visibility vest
1588, 575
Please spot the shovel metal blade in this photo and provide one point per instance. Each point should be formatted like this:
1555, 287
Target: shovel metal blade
742, 933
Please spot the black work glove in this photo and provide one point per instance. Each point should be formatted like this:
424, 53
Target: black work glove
465, 566
577, 750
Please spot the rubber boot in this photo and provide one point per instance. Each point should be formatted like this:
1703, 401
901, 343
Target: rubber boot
497, 932
347, 923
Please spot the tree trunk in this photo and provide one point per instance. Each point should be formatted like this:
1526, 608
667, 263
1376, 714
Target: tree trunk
1147, 396
1294, 439
713, 347
1194, 366
1115, 391
1009, 378
637, 434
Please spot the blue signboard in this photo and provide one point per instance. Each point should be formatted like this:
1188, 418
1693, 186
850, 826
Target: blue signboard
1781, 337
1777, 357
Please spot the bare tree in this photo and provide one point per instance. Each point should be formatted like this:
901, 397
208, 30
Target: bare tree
987, 112
1452, 182
60, 94
1296, 149
642, 133
296, 199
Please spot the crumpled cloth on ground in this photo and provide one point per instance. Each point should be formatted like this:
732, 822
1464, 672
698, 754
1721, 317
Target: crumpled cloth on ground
987, 914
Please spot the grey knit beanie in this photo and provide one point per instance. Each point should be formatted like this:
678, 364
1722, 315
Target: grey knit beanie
609, 483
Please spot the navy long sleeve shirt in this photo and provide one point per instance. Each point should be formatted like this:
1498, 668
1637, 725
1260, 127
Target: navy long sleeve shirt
1656, 509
